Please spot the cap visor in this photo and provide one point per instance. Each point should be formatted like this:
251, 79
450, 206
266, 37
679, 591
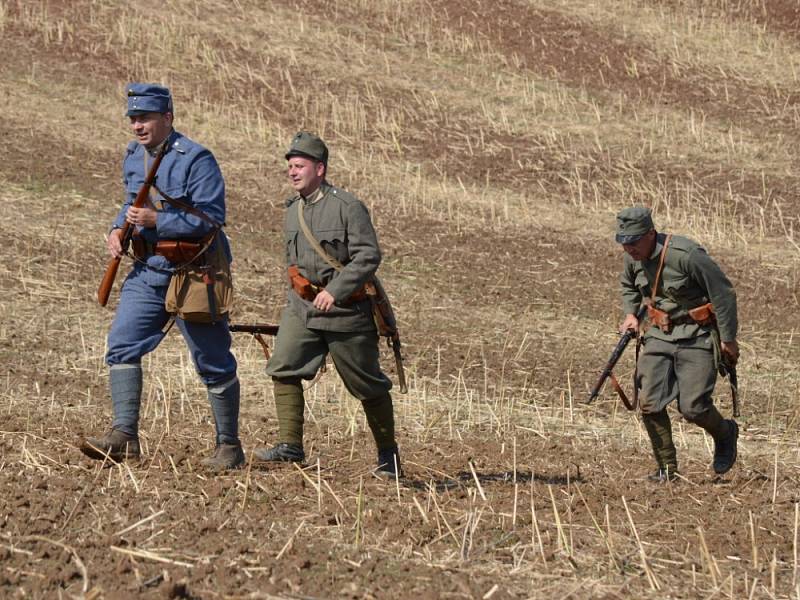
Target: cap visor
292, 153
628, 239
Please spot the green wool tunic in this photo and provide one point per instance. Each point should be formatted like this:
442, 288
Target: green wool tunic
341, 224
690, 278
681, 363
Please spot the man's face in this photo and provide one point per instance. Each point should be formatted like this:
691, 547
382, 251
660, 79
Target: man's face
151, 128
642, 248
305, 174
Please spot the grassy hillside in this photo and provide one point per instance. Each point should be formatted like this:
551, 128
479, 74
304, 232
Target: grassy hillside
493, 142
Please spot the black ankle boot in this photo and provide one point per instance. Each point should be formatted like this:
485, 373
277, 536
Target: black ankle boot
280, 452
725, 450
389, 463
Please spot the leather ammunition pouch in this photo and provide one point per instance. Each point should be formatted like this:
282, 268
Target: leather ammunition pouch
308, 291
178, 252
659, 319
703, 314
302, 286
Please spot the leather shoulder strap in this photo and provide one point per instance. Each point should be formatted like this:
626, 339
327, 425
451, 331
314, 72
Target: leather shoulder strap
313, 241
186, 207
660, 268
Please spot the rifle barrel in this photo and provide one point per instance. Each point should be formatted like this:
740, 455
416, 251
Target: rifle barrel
262, 328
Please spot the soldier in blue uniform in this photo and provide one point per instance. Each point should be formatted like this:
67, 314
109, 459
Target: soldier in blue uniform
188, 172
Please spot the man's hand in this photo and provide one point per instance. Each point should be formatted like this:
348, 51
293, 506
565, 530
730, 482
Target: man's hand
324, 301
143, 217
730, 350
114, 243
630, 323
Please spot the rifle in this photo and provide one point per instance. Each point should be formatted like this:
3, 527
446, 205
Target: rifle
104, 291
261, 328
728, 369
386, 323
257, 330
607, 371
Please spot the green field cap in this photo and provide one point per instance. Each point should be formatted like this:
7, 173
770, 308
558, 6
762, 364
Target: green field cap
633, 223
308, 144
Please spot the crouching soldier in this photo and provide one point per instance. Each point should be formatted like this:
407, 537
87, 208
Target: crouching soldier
691, 307
162, 230
331, 251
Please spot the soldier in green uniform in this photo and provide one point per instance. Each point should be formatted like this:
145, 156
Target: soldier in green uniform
681, 351
327, 311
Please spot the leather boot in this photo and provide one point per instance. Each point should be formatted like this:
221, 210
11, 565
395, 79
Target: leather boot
389, 463
725, 433
116, 444
281, 452
225, 457
725, 449
662, 475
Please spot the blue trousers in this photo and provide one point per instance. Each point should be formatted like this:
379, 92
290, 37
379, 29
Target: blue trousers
138, 328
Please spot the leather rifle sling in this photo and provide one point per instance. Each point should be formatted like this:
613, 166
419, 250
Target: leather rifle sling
662, 258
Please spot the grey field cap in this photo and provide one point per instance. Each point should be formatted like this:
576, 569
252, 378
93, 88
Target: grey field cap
310, 145
633, 223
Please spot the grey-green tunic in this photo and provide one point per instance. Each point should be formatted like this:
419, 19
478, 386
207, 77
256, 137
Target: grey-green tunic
690, 278
680, 364
342, 225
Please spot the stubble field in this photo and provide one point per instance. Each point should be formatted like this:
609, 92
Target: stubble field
493, 143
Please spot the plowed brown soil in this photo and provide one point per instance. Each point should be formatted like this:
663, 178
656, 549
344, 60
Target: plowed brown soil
493, 143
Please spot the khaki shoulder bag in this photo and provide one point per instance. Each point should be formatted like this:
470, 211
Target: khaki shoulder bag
201, 289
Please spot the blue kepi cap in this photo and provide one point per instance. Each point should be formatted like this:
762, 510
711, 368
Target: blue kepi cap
148, 97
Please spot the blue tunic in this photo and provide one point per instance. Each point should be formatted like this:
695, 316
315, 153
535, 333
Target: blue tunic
188, 172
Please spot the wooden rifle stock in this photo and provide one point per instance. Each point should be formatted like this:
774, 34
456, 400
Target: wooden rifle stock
104, 291
386, 323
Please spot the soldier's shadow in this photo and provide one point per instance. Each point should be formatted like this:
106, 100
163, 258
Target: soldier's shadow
466, 479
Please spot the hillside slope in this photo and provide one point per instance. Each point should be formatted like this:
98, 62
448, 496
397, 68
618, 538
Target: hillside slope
493, 142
